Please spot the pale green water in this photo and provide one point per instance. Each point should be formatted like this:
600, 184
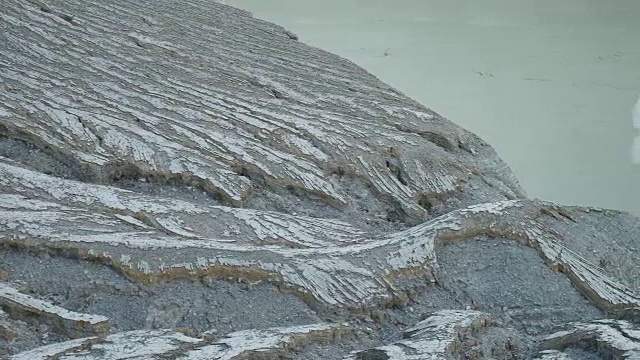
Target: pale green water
550, 84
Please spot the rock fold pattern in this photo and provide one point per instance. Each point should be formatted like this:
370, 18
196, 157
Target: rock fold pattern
149, 148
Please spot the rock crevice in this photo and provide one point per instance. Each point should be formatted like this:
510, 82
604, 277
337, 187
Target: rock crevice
176, 177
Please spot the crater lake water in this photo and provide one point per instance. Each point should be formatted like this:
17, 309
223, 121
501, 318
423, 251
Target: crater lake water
550, 84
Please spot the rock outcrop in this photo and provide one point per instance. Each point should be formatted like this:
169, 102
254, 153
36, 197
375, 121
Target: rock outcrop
181, 180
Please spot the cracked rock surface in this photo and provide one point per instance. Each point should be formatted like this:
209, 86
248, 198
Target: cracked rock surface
179, 180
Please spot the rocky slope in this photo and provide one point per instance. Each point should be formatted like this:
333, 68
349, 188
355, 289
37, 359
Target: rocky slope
180, 180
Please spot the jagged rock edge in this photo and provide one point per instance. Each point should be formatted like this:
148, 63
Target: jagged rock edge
586, 277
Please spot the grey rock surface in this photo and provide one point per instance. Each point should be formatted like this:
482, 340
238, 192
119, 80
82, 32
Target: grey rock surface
179, 180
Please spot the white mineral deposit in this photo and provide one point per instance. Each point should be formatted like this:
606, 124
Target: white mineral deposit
182, 180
